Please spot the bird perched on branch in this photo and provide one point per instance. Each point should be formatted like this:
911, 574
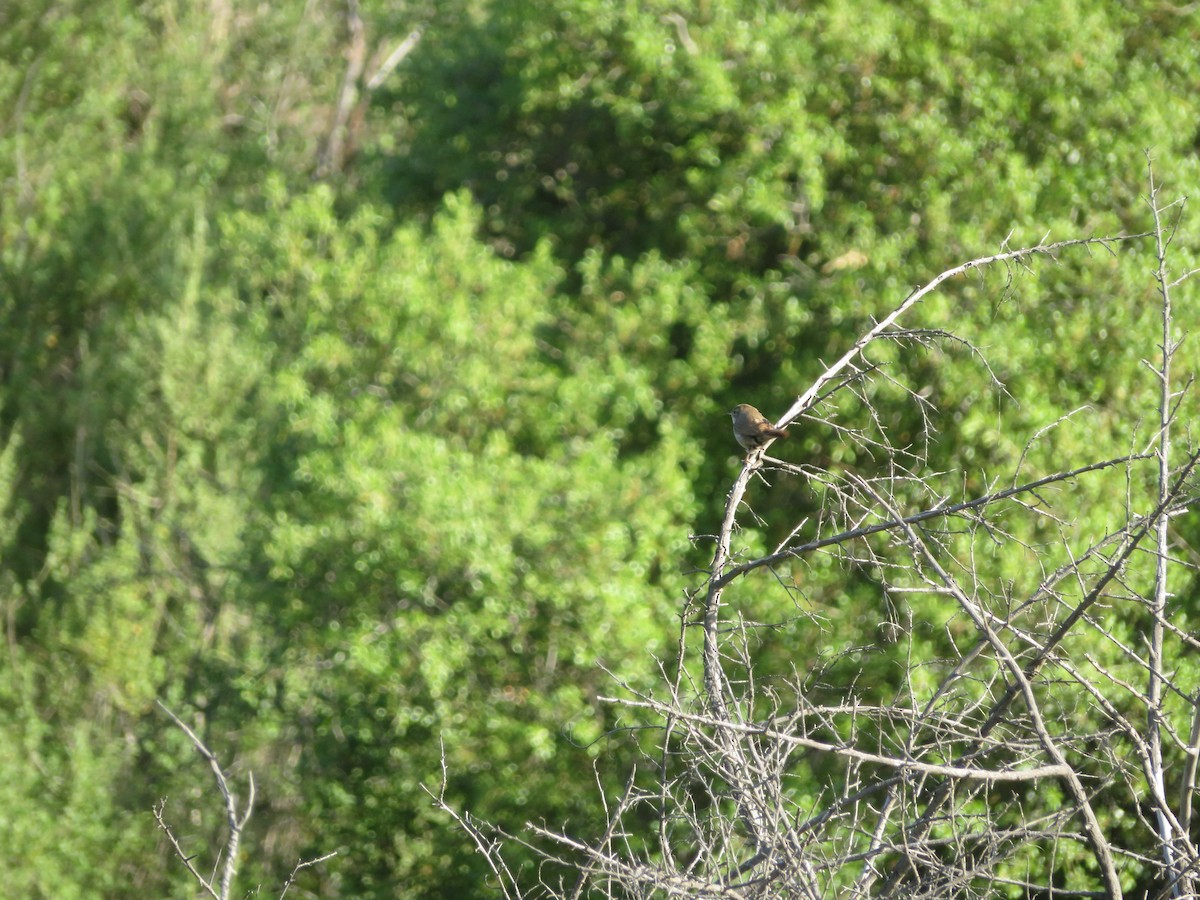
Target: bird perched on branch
751, 428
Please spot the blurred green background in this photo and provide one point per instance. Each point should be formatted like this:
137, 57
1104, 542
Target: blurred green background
355, 411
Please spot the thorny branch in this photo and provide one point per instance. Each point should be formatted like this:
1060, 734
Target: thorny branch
235, 820
1012, 688
1179, 854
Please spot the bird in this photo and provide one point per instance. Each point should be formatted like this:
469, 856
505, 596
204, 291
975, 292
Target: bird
751, 428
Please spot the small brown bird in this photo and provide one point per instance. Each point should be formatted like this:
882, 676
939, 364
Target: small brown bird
751, 428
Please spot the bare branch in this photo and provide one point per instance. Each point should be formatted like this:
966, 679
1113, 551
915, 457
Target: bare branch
303, 864
160, 817
1042, 248
236, 821
394, 58
487, 847
933, 784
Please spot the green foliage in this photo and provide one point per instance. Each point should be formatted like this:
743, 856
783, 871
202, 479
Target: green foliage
447, 517
349, 472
